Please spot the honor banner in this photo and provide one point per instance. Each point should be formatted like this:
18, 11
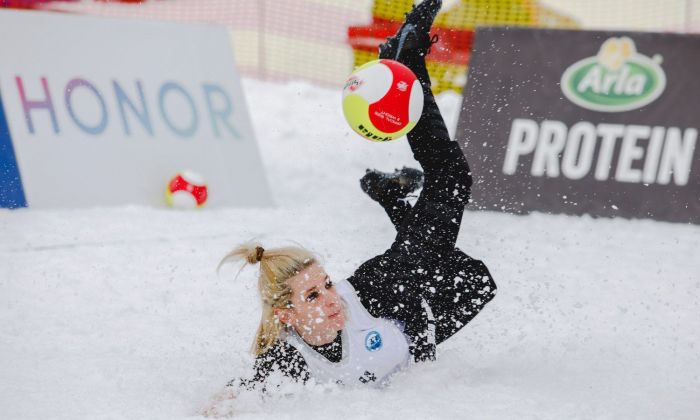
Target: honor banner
601, 123
104, 112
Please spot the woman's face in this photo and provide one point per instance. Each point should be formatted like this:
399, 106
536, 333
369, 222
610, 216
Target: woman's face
317, 311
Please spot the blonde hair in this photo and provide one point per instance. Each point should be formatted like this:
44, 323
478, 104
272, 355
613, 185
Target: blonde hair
276, 267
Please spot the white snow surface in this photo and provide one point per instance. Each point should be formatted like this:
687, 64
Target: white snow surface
118, 313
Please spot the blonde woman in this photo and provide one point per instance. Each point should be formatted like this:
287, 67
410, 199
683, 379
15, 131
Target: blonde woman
398, 305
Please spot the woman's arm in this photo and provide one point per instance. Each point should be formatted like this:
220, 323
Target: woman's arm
281, 357
220, 403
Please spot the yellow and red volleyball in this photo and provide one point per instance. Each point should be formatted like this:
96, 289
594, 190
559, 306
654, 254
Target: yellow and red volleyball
382, 100
186, 190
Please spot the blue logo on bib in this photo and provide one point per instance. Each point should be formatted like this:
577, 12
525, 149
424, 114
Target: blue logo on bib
373, 341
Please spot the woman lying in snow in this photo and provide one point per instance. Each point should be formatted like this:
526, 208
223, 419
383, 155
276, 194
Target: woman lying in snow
398, 305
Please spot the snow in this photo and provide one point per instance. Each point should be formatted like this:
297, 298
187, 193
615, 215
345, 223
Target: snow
118, 313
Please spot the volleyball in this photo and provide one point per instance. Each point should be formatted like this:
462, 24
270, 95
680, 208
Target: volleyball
186, 190
382, 100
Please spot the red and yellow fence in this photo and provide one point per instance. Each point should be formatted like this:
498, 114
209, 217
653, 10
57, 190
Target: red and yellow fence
449, 58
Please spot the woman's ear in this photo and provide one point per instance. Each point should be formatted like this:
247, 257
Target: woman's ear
283, 315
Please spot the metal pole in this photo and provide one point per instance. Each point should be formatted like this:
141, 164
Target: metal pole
261, 39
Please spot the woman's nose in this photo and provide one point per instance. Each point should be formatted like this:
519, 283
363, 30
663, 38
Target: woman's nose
331, 303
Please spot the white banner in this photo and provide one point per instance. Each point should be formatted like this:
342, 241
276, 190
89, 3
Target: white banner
105, 112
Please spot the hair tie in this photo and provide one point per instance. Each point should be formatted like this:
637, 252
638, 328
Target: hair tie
259, 253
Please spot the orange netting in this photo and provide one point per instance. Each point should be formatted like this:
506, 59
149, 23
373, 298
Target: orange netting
321, 40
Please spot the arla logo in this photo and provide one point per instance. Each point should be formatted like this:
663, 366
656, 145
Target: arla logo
617, 79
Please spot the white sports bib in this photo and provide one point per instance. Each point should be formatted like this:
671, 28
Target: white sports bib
373, 348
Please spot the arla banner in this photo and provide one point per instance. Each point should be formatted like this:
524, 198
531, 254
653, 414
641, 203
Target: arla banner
603, 123
105, 112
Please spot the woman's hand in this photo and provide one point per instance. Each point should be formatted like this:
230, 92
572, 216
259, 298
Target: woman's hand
221, 404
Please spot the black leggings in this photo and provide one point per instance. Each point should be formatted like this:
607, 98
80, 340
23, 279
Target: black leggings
432, 224
423, 265
427, 232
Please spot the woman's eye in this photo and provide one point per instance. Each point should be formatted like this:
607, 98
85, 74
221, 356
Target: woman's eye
312, 296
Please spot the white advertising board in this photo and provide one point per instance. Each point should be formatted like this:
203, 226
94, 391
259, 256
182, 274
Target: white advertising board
104, 112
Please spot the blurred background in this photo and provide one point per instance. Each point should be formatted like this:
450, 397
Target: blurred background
321, 40
117, 312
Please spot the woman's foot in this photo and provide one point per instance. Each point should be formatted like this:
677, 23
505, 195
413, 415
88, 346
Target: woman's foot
413, 38
385, 187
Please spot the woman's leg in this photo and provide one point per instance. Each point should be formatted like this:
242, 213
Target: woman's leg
396, 209
432, 225
391, 190
454, 286
422, 266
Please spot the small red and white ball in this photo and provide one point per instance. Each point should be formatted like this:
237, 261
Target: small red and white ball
382, 100
186, 190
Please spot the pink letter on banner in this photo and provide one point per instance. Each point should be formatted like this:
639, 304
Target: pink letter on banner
28, 105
